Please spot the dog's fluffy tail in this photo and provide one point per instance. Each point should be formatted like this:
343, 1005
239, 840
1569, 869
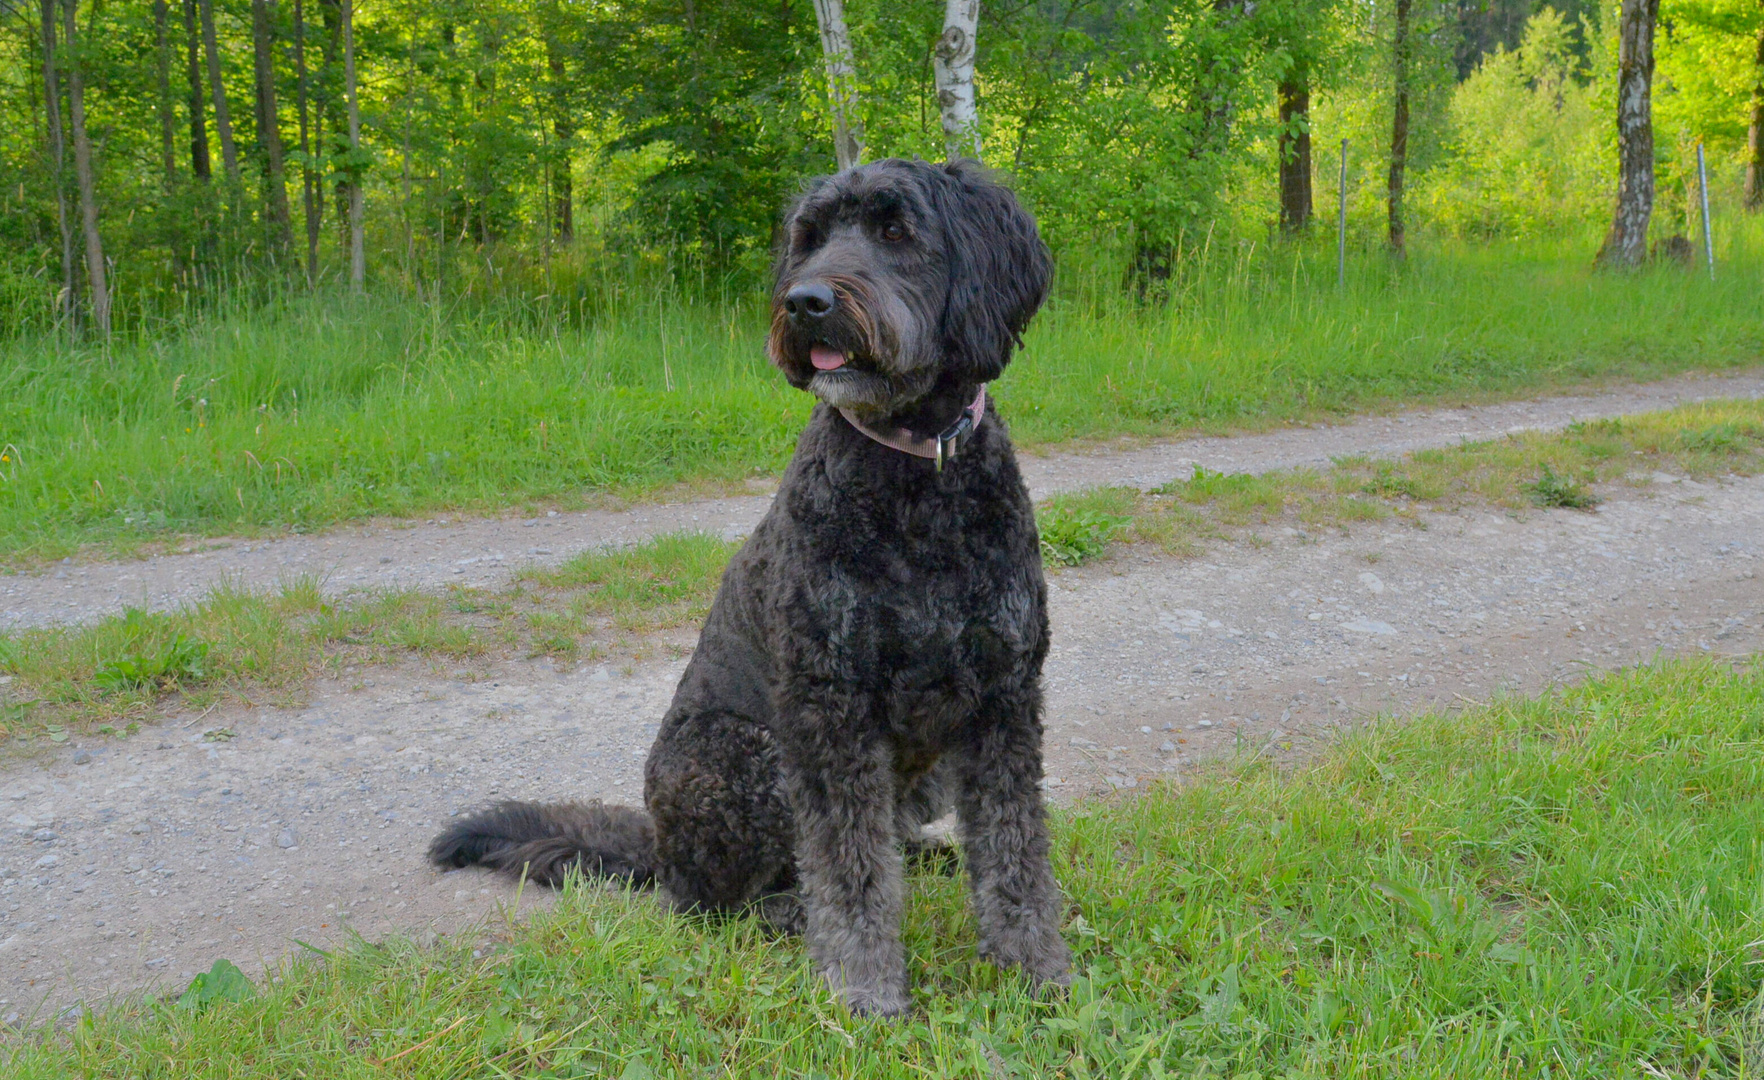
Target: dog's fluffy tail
546, 841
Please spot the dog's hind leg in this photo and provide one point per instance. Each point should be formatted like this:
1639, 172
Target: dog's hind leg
849, 862
1003, 830
722, 824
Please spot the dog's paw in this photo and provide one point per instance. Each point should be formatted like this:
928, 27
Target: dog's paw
1043, 956
882, 1002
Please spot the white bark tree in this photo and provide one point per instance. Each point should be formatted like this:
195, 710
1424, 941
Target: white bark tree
848, 132
953, 65
1627, 242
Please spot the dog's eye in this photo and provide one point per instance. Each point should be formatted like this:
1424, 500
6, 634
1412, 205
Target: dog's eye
894, 232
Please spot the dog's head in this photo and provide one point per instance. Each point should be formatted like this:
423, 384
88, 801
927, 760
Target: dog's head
901, 275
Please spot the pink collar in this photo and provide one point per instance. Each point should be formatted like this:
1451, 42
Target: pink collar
939, 448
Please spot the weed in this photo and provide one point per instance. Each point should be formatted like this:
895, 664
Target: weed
1550, 490
153, 656
1073, 536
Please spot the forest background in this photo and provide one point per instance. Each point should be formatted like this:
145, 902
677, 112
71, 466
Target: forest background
566, 210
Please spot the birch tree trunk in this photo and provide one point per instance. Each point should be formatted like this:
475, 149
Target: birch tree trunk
1294, 94
201, 166
357, 250
1627, 242
168, 124
309, 190
953, 69
223, 124
848, 135
1399, 128
269, 131
97, 281
1755, 136
68, 301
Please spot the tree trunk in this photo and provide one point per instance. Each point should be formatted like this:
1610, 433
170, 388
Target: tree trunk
848, 136
357, 248
1295, 150
201, 167
1399, 126
1755, 136
563, 125
68, 301
96, 278
269, 131
168, 122
309, 189
1627, 242
333, 126
223, 124
953, 64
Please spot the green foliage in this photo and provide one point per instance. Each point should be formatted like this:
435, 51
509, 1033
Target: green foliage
1550, 490
1076, 529
1531, 143
150, 654
224, 982
309, 411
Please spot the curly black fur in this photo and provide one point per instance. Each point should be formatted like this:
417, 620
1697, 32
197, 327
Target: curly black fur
874, 653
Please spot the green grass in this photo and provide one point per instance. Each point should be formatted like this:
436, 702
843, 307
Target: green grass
244, 644
307, 411
1571, 887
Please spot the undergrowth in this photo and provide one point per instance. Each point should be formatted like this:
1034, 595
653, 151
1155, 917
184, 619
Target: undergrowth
310, 410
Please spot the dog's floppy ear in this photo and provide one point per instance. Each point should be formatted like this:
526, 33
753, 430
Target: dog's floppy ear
999, 269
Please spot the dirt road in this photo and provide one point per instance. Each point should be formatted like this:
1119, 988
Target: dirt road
132, 864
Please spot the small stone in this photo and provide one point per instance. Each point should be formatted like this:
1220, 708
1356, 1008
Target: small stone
157, 962
134, 866
1145, 731
1120, 782
385, 559
48, 862
140, 828
82, 757
1166, 746
1204, 723
43, 836
287, 839
1168, 727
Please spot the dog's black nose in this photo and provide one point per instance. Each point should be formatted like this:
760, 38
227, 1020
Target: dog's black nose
809, 303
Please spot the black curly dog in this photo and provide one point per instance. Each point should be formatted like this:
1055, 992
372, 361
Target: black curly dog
875, 649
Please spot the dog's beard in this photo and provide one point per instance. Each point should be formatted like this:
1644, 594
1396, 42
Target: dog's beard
869, 364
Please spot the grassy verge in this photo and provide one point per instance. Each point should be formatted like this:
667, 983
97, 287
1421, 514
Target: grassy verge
247, 645
313, 410
1517, 473
1570, 887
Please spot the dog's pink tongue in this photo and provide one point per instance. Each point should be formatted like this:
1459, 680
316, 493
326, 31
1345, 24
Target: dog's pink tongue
825, 358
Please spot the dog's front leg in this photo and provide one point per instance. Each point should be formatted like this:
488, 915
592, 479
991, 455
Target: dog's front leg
1003, 830
842, 797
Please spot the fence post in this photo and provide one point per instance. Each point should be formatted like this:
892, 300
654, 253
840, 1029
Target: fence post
1341, 225
1703, 186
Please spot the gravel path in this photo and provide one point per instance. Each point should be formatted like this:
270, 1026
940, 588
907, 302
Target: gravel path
127, 865
486, 551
